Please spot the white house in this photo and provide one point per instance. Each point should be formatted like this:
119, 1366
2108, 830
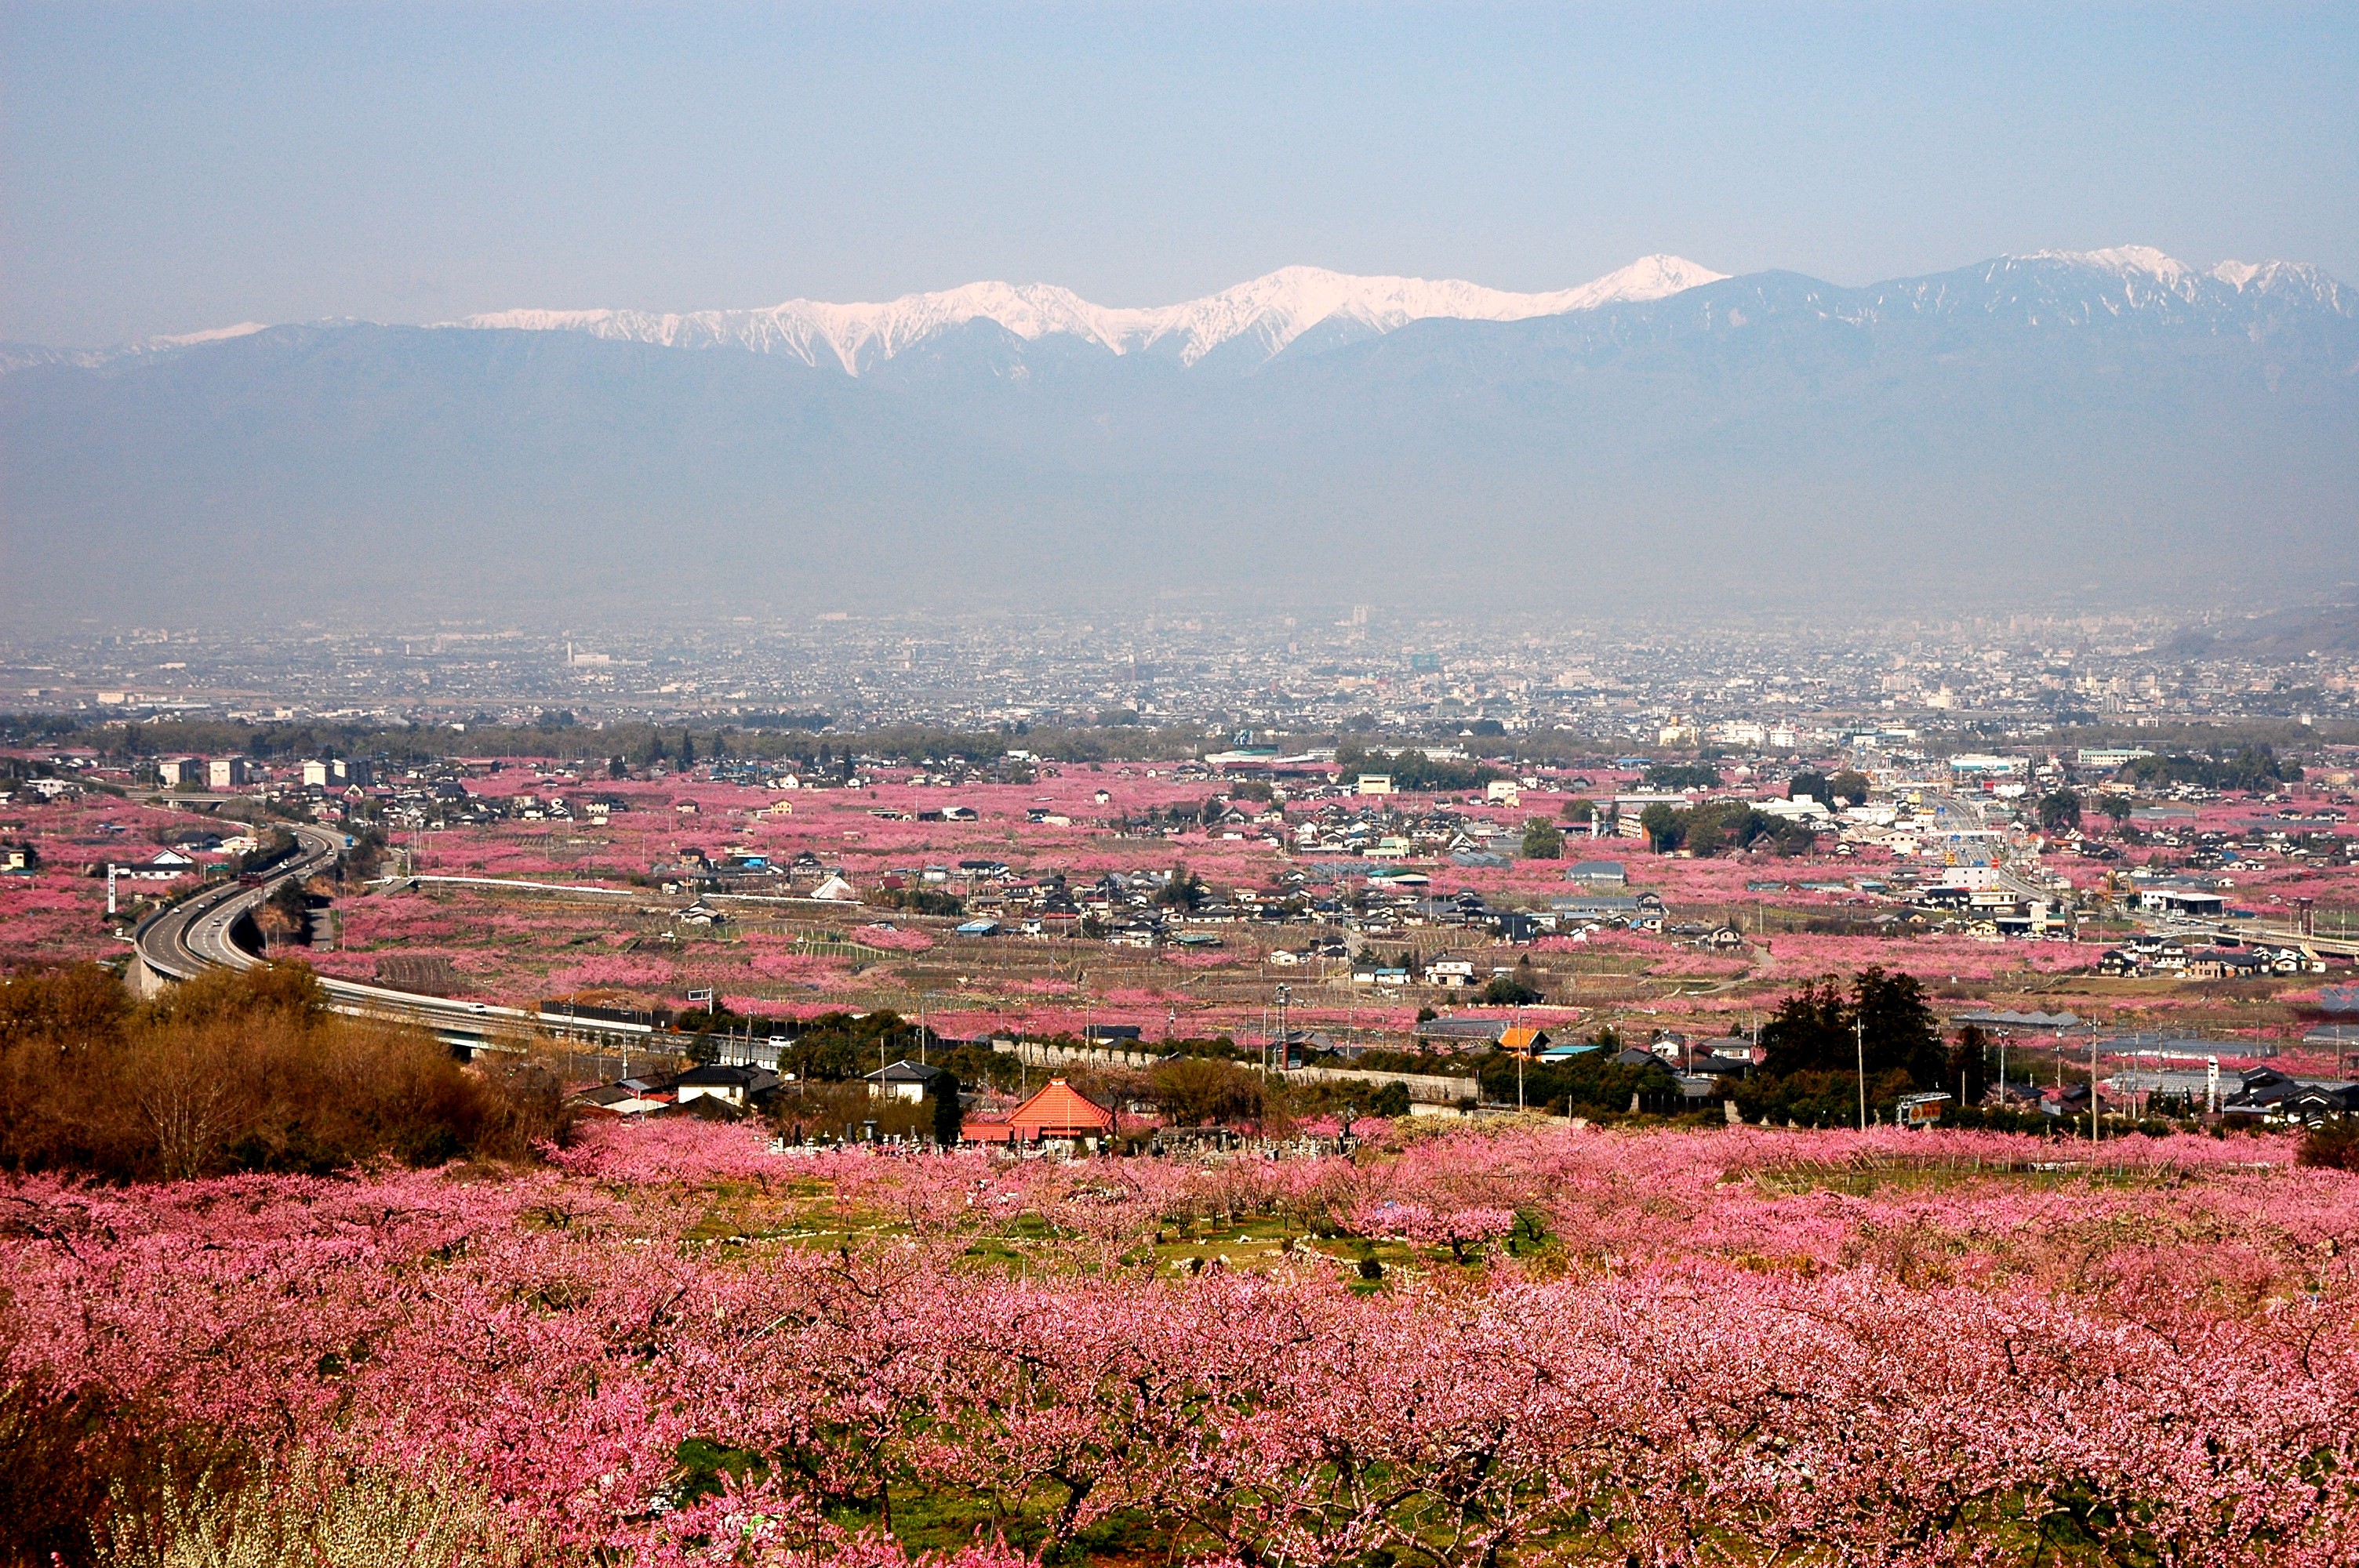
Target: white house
1451, 971
737, 1085
905, 1081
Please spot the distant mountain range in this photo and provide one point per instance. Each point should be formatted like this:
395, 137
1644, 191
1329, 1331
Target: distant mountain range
2100, 426
1262, 318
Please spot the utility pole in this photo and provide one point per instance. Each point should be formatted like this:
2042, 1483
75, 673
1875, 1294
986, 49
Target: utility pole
1859, 1040
2095, 1132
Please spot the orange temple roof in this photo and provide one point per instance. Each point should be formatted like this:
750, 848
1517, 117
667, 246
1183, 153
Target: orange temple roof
1060, 1111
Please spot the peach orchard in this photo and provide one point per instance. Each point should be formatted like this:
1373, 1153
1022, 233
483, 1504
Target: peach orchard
673, 1345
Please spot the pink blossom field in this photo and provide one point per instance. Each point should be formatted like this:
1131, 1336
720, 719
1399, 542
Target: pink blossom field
57, 915
519, 947
670, 1345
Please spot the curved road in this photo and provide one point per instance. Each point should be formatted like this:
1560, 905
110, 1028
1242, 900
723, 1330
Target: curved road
195, 934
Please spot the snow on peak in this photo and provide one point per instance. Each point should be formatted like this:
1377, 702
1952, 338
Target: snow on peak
1271, 312
1276, 310
2282, 278
19, 356
1649, 277
2142, 268
2143, 261
210, 335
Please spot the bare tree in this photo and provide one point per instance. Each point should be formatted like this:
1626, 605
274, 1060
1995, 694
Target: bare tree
193, 1096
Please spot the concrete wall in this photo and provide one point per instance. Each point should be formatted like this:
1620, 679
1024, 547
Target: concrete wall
1044, 1055
1424, 1088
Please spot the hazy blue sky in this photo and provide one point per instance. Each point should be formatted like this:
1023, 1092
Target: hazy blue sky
168, 169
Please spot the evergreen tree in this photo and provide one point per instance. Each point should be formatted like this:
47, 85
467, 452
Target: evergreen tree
1820, 1029
1807, 1034
1900, 1031
1664, 827
2059, 811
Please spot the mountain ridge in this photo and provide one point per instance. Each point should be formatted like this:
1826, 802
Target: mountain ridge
2108, 427
1272, 310
1271, 313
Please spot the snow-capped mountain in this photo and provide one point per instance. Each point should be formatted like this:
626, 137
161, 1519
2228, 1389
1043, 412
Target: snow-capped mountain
2100, 426
2143, 268
2124, 283
18, 356
1267, 314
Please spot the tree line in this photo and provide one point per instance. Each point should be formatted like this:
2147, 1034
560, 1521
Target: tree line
2256, 769
240, 1071
1411, 770
1716, 826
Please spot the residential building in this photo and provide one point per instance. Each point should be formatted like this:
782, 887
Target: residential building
909, 1082
1453, 972
737, 1086
334, 772
1628, 808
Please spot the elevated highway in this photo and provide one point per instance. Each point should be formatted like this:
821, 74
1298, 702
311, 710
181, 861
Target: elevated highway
2192, 927
200, 933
